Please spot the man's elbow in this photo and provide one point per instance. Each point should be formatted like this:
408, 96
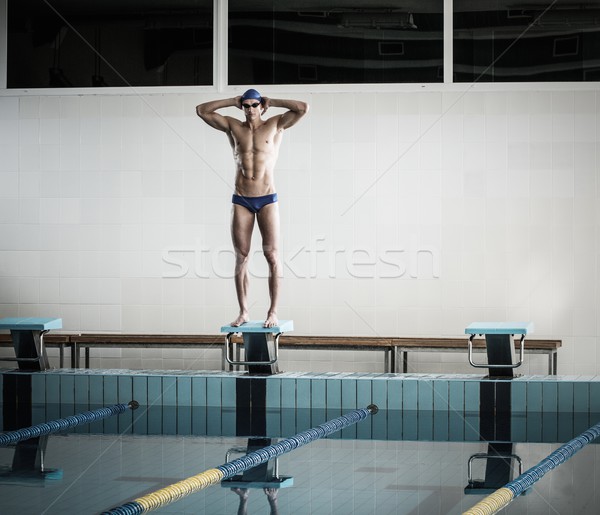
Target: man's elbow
303, 108
200, 110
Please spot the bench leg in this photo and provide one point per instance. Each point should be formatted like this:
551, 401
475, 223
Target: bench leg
393, 359
74, 362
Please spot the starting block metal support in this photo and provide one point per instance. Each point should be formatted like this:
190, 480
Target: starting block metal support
499, 469
261, 345
28, 340
499, 345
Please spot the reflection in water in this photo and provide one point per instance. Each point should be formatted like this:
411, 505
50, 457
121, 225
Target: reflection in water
28, 464
394, 425
418, 460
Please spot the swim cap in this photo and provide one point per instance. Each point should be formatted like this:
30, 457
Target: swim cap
252, 94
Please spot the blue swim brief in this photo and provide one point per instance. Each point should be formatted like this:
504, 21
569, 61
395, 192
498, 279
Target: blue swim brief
254, 204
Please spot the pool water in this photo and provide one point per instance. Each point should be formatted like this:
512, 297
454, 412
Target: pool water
87, 473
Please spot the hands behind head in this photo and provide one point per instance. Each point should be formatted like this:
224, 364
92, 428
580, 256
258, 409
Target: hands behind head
242, 492
271, 493
266, 103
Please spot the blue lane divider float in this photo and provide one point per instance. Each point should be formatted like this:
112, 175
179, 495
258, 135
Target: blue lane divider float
505, 495
54, 426
559, 456
176, 491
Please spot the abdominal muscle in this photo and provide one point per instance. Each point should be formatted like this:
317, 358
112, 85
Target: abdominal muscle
254, 173
255, 154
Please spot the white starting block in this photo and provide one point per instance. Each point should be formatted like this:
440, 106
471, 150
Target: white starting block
499, 345
28, 340
261, 345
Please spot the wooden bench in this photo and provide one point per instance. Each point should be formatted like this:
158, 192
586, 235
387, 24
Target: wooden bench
89, 340
143, 341
366, 343
391, 347
406, 345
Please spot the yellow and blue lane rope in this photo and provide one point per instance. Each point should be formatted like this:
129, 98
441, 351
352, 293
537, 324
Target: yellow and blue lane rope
502, 497
209, 477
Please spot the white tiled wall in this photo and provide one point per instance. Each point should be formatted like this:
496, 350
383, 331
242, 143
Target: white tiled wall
403, 213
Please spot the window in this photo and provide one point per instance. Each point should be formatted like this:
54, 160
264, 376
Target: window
96, 43
537, 40
275, 42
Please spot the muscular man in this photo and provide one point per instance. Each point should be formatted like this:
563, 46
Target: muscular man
255, 144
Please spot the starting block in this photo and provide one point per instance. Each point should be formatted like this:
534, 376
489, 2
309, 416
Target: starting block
28, 465
261, 345
28, 340
499, 345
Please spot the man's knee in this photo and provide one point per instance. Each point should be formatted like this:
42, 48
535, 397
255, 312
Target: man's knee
241, 256
272, 257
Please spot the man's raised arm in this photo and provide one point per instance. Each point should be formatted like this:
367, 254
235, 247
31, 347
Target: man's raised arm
296, 110
207, 111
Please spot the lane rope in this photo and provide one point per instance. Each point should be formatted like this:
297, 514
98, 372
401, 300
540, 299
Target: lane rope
62, 424
502, 497
193, 484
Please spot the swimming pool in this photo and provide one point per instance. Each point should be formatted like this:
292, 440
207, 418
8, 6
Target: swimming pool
331, 476
399, 461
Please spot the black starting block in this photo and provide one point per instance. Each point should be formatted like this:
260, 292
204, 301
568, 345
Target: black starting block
261, 345
28, 340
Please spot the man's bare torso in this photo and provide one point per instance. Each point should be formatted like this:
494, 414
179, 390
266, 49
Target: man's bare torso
255, 152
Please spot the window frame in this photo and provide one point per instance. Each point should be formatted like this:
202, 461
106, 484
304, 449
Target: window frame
220, 71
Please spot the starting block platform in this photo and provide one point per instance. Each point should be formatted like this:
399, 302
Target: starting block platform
499, 345
237, 482
27, 335
261, 345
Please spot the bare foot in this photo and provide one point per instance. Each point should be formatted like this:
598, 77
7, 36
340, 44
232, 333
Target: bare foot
271, 320
241, 319
242, 492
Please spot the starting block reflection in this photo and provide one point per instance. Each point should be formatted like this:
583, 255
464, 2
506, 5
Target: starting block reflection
262, 476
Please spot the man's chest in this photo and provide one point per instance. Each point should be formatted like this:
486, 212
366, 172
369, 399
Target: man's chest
262, 139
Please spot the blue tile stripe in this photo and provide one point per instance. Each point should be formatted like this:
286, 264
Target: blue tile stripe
315, 396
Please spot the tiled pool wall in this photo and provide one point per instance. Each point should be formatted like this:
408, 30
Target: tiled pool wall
412, 406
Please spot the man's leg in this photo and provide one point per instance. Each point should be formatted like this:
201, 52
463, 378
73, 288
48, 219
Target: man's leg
268, 223
242, 223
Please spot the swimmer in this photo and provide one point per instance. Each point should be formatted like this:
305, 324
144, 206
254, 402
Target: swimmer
255, 144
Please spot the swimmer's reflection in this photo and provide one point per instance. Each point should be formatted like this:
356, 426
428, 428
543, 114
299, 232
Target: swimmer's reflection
263, 477
244, 493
